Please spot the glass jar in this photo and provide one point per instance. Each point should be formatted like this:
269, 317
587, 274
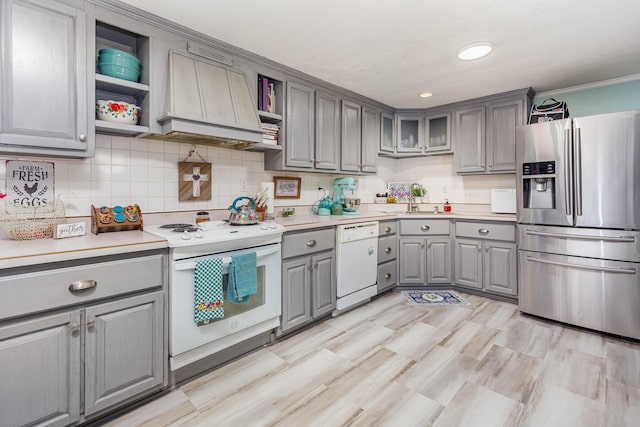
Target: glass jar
202, 217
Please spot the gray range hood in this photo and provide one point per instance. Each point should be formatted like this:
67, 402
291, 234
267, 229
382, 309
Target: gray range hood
208, 103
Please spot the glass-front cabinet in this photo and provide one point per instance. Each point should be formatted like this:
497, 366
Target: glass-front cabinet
386, 133
437, 131
409, 133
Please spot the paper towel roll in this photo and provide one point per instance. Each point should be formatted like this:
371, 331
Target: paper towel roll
269, 186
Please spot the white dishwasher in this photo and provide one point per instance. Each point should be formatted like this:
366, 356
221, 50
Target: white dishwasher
356, 263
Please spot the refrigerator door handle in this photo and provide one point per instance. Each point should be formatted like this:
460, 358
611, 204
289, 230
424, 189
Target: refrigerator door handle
584, 267
578, 170
568, 174
625, 239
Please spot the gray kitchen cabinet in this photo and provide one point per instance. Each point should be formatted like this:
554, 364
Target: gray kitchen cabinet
469, 136
309, 289
387, 133
327, 131
424, 252
104, 347
300, 117
370, 139
40, 366
123, 350
409, 133
484, 132
47, 87
485, 257
437, 128
351, 141
387, 255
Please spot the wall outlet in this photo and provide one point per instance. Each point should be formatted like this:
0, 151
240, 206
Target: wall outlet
445, 190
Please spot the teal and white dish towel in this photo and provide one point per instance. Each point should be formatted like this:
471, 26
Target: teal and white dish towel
243, 280
208, 294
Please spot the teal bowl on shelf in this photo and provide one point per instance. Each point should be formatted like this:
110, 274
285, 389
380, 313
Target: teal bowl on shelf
117, 60
115, 53
119, 71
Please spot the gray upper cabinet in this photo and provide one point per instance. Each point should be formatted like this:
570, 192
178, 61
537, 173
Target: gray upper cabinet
327, 143
387, 133
351, 137
47, 89
437, 127
469, 136
300, 144
40, 362
484, 132
370, 139
409, 133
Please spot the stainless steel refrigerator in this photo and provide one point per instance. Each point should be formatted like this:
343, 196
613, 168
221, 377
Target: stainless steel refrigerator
578, 211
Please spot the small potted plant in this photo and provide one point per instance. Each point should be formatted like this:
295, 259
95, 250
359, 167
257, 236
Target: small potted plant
418, 191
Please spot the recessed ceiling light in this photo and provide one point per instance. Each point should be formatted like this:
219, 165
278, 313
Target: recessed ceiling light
425, 94
474, 51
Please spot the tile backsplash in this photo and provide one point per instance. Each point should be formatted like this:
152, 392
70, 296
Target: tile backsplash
132, 170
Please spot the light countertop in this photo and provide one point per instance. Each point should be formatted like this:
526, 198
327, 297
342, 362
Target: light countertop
15, 253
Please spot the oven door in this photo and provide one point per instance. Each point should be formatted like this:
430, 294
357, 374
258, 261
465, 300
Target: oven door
241, 321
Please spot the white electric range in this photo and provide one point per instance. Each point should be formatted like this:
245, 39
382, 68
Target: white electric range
189, 341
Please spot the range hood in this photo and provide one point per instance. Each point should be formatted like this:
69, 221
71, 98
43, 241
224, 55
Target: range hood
208, 103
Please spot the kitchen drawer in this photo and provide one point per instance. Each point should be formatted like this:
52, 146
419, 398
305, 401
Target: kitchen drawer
486, 230
28, 293
386, 275
418, 227
308, 242
387, 248
387, 227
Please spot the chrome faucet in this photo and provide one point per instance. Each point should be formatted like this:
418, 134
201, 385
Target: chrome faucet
412, 206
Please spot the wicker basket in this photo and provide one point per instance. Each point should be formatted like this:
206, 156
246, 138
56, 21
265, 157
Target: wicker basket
28, 223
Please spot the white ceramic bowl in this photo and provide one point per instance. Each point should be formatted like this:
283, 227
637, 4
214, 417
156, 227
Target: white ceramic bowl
117, 111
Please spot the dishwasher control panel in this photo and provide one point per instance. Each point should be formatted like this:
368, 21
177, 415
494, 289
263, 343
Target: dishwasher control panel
358, 231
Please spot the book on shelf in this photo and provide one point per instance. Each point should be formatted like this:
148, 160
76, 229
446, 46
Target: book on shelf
265, 94
271, 98
260, 93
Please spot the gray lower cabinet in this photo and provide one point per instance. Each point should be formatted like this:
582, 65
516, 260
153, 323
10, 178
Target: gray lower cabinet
103, 347
387, 255
48, 56
488, 264
308, 277
424, 252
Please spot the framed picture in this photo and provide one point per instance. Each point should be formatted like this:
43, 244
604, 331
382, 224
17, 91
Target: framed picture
286, 187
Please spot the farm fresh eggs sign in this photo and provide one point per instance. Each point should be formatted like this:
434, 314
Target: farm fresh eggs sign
29, 183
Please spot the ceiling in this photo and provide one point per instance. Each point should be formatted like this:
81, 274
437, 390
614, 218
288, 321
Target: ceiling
393, 51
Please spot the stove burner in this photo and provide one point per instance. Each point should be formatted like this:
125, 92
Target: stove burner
190, 229
176, 226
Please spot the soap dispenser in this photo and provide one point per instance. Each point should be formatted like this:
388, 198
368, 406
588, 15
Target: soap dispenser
447, 206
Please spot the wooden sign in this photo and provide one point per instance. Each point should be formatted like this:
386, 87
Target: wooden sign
29, 183
194, 181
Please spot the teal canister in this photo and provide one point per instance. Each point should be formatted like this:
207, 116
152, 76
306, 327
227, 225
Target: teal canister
336, 209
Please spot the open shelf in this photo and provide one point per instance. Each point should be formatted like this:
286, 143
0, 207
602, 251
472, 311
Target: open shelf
120, 128
125, 87
262, 147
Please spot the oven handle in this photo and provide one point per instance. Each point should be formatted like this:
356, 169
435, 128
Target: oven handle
226, 260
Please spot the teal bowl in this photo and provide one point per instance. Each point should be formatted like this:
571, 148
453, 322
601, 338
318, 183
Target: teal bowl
117, 60
119, 71
120, 54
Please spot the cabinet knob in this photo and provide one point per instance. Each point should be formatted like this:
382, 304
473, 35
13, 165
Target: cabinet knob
387, 276
387, 250
483, 231
91, 324
425, 228
387, 229
490, 165
482, 164
82, 285
74, 328
311, 243
486, 248
82, 137
479, 248
315, 265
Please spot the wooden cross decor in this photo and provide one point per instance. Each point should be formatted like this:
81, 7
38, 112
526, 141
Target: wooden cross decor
194, 181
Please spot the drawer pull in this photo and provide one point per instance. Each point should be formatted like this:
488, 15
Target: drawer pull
483, 231
387, 229
311, 243
82, 285
91, 324
74, 328
387, 250
425, 228
387, 276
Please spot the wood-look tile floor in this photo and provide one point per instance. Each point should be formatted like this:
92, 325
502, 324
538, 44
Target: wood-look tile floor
390, 363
